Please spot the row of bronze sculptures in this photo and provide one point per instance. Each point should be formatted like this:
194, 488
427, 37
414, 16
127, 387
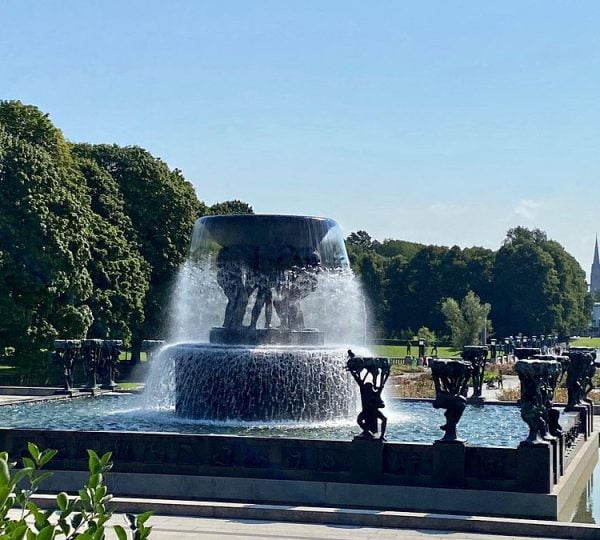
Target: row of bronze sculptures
539, 376
98, 358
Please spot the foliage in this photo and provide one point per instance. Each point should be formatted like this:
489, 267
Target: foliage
465, 320
45, 230
91, 237
533, 285
402, 369
230, 207
83, 517
538, 287
420, 386
426, 334
119, 273
162, 207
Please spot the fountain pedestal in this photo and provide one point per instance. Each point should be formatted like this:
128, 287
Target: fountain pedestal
265, 383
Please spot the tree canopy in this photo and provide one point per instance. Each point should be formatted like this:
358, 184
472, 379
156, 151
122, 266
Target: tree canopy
531, 283
91, 236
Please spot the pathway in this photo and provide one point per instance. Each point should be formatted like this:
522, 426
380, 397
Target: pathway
174, 527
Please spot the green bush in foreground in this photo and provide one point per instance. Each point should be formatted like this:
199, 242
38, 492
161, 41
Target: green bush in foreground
83, 517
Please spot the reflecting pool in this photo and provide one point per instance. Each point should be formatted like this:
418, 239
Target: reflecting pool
491, 425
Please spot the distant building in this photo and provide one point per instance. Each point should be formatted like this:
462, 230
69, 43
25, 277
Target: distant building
595, 273
596, 315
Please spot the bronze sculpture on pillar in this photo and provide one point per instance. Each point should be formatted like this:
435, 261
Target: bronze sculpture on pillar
66, 352
451, 380
555, 374
536, 378
111, 349
477, 356
371, 375
91, 350
580, 375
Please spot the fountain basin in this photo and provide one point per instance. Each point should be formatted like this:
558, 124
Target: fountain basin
266, 383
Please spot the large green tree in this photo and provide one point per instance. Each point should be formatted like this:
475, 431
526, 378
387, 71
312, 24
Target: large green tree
45, 231
120, 274
162, 207
537, 286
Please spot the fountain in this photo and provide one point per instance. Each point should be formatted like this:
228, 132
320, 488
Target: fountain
257, 329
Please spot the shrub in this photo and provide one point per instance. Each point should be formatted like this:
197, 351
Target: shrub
83, 517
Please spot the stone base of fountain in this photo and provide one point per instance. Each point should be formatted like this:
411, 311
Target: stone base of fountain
264, 383
265, 336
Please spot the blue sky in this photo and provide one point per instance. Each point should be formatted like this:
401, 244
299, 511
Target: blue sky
439, 122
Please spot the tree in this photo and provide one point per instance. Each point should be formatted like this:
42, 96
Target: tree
465, 320
538, 288
162, 207
230, 207
45, 230
120, 275
426, 334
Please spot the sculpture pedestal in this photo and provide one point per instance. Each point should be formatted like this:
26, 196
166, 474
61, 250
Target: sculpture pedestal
449, 463
367, 460
265, 336
584, 415
535, 467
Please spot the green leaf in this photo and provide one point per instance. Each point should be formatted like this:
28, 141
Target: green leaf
142, 518
120, 532
34, 451
93, 480
105, 460
19, 532
29, 463
46, 456
62, 500
47, 533
93, 462
4, 473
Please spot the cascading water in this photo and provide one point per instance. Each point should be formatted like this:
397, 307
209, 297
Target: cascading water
263, 312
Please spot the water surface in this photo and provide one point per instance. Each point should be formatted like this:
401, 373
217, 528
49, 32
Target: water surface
491, 425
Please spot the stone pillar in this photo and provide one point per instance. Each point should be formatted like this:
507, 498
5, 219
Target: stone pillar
367, 461
449, 463
535, 467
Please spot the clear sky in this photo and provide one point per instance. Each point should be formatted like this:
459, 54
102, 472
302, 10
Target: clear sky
439, 122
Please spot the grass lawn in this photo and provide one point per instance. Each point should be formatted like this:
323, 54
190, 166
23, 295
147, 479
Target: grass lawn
130, 385
586, 342
400, 351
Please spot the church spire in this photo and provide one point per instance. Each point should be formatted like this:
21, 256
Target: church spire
595, 273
